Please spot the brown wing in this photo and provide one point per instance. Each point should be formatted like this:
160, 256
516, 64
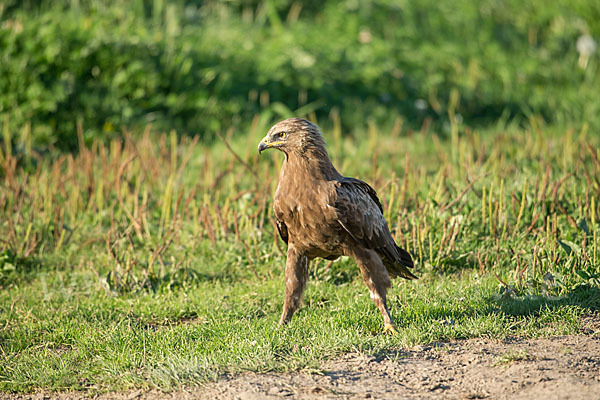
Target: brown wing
360, 213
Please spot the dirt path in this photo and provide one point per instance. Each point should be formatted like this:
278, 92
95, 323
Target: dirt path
557, 368
566, 367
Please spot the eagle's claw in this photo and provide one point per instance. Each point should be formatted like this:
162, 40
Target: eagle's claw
391, 329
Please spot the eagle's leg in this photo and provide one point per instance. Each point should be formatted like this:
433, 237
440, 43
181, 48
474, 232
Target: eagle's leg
296, 274
378, 281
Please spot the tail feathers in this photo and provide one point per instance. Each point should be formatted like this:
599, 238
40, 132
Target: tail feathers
405, 258
400, 266
401, 271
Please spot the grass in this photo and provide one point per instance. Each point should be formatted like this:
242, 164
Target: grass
513, 356
153, 262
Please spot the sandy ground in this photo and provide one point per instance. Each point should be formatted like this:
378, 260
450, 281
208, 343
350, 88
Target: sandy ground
566, 367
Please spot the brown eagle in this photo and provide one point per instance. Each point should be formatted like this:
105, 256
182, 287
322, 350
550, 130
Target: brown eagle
320, 213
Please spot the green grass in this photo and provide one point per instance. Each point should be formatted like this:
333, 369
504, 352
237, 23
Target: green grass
154, 262
513, 356
93, 341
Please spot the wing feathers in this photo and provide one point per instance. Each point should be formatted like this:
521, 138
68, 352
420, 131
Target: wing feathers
359, 212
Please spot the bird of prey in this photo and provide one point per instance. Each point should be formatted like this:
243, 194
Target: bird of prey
320, 213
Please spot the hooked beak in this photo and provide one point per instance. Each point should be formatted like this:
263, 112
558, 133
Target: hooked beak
262, 146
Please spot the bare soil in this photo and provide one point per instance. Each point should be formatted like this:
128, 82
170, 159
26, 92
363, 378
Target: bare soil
565, 367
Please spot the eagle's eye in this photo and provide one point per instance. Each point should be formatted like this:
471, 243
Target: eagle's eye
280, 135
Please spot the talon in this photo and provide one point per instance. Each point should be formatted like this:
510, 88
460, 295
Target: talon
390, 328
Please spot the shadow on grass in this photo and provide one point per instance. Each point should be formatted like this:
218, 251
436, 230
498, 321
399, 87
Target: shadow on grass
15, 269
585, 296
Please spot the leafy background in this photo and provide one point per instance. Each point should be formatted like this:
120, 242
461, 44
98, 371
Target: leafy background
202, 66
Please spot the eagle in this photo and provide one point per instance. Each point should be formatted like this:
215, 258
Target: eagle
320, 213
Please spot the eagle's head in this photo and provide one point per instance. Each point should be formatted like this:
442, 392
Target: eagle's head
293, 135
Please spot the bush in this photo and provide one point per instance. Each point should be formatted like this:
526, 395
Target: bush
197, 67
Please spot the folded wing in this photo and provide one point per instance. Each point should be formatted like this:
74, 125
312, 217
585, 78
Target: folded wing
359, 212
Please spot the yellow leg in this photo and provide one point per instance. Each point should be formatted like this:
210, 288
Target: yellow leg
390, 328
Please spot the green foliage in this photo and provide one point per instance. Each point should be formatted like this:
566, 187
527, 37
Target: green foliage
198, 67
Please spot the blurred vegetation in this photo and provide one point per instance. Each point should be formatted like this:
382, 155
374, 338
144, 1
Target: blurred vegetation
202, 66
